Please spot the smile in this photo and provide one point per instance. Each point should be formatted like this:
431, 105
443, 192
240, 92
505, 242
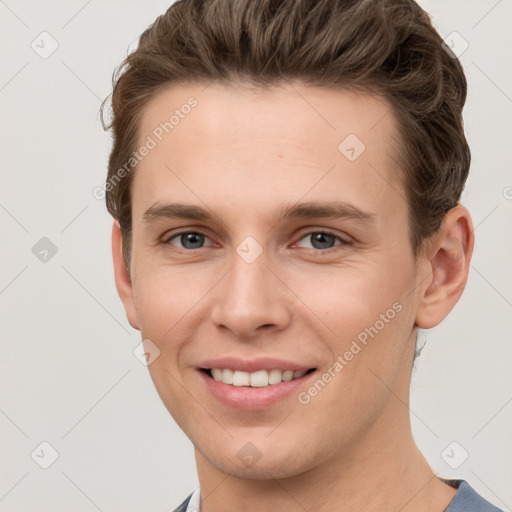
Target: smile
257, 379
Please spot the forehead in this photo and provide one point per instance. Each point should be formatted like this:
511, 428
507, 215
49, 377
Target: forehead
227, 113
266, 143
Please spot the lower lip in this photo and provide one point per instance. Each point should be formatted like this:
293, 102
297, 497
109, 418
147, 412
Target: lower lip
246, 398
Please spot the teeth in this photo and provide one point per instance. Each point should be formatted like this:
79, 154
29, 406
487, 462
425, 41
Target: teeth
274, 376
258, 379
240, 378
227, 376
299, 373
287, 375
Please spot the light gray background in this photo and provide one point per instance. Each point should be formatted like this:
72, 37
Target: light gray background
68, 375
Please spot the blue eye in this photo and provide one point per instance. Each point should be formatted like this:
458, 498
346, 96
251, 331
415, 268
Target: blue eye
320, 240
189, 240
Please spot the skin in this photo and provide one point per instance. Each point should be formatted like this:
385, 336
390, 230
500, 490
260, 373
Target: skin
243, 154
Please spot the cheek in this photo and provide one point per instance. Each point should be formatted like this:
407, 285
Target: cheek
353, 296
366, 317
367, 340
172, 305
165, 296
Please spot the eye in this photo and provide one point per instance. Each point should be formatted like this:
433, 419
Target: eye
320, 240
187, 240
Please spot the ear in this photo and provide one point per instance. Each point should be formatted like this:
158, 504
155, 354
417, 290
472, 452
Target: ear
123, 282
449, 256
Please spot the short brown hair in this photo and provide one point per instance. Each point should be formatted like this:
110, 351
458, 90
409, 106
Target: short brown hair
386, 47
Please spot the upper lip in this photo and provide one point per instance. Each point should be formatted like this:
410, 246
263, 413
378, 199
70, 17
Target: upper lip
252, 365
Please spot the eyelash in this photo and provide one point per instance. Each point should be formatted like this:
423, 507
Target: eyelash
343, 243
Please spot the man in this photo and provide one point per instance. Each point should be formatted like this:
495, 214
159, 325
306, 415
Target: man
285, 183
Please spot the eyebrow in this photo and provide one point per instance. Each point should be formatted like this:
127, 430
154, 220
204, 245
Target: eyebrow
330, 209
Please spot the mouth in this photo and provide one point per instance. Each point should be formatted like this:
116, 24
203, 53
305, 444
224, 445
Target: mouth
257, 379
255, 384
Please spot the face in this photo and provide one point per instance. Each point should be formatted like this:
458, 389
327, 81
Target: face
271, 242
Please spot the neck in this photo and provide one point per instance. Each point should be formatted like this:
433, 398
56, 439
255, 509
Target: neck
384, 470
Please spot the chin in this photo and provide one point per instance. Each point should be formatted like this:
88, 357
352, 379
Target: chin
270, 461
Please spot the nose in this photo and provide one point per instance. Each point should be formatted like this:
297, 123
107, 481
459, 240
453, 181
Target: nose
251, 300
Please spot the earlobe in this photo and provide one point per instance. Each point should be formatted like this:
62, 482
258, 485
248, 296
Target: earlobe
122, 276
449, 257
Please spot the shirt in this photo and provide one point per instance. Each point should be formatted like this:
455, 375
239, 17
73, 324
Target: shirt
466, 500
